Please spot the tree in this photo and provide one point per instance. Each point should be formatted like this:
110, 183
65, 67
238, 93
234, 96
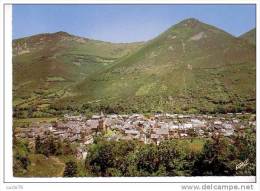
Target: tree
71, 169
51, 145
147, 160
191, 132
31, 110
38, 144
21, 159
109, 158
215, 159
100, 158
173, 158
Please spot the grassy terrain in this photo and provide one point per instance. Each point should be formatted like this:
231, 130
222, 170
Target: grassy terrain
27, 121
49, 63
173, 72
192, 67
41, 166
193, 145
32, 120
250, 36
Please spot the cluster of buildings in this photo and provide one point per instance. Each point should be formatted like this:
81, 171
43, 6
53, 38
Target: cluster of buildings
152, 129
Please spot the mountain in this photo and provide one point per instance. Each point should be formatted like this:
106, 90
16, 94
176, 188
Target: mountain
250, 36
50, 62
191, 67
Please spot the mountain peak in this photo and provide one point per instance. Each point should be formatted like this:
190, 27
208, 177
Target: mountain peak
62, 33
193, 26
190, 22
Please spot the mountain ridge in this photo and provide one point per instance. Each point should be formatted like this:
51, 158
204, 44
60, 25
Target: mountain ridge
186, 21
192, 67
249, 36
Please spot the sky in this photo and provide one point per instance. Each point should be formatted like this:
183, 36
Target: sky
126, 23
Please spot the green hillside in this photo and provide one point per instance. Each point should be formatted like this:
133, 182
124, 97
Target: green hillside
46, 65
191, 67
250, 36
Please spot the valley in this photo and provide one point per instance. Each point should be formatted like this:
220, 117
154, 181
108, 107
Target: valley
180, 104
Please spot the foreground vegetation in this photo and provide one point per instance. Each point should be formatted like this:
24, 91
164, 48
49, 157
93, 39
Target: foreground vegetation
217, 156
171, 158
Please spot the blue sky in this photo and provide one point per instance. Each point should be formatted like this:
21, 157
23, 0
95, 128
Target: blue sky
126, 23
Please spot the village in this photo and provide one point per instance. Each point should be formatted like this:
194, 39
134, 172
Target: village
147, 130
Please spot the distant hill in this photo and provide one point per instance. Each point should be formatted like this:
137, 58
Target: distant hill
191, 67
250, 36
55, 60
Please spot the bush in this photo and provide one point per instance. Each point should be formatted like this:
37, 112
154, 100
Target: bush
21, 160
71, 169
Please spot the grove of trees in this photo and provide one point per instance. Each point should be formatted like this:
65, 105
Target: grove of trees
219, 157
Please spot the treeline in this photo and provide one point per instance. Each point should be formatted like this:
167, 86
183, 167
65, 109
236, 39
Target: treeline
137, 104
219, 157
158, 104
50, 146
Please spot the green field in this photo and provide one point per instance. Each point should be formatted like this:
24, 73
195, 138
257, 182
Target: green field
41, 166
26, 122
